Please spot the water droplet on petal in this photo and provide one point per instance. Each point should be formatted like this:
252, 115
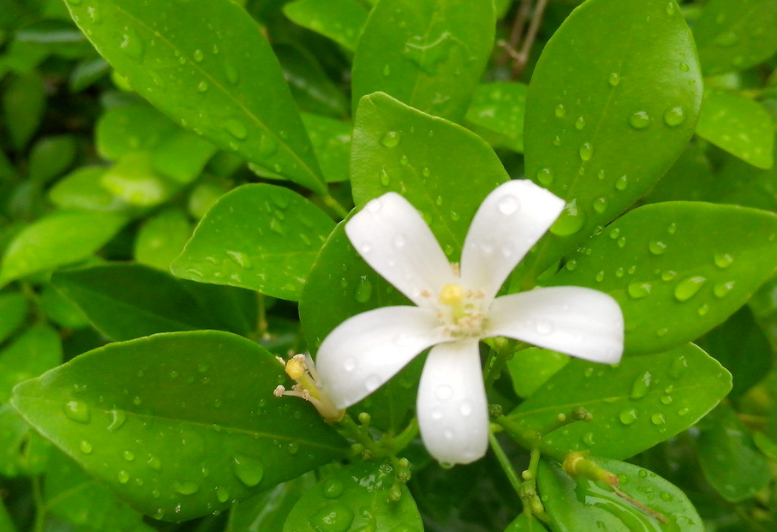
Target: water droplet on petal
444, 392
508, 205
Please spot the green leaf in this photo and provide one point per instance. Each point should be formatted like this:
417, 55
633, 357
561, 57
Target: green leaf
444, 170
331, 141
5, 520
497, 113
260, 237
13, 309
531, 368
130, 128
22, 451
735, 34
235, 96
75, 497
349, 286
577, 504
689, 179
35, 351
729, 459
355, 497
61, 310
641, 402
181, 156
432, 61
674, 276
82, 189
60, 238
525, 523
24, 102
611, 105
738, 125
197, 427
340, 20
268, 511
161, 238
134, 180
126, 301
741, 183
86, 73
51, 156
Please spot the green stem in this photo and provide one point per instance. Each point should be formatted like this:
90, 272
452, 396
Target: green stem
335, 205
40, 506
507, 467
403, 439
262, 327
502, 350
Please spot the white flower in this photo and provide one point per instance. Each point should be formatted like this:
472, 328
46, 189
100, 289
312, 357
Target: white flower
456, 307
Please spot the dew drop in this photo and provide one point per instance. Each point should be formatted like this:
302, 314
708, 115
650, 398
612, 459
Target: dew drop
154, 463
545, 176
657, 247
385, 179
570, 221
444, 392
580, 123
586, 151
640, 120
466, 408
363, 291
670, 8
85, 446
123, 477
723, 260
683, 411
600, 276
350, 364
614, 79
721, 290
129, 456
131, 44
684, 67
186, 487
390, 139
508, 205
561, 111
639, 290
679, 365
544, 326
198, 55
248, 470
674, 116
641, 385
332, 518
703, 310
386, 70
202, 86
666, 399
628, 416
77, 411
222, 494
657, 419
332, 488
588, 439
241, 259
372, 383
236, 128
687, 288
621, 183
668, 275
600, 205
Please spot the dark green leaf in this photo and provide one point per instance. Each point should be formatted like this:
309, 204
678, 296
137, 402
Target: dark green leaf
268, 511
13, 309
234, 95
331, 141
260, 237
61, 310
525, 523
611, 105
497, 114
86, 73
641, 402
35, 351
182, 424
531, 368
432, 61
22, 451
689, 179
24, 101
51, 156
340, 20
674, 277
741, 183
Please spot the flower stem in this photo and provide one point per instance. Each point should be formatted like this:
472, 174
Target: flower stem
40, 506
502, 350
512, 476
335, 205
403, 439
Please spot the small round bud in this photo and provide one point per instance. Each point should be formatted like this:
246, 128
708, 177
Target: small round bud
494, 410
364, 418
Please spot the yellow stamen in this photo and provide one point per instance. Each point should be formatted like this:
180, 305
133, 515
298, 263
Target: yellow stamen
451, 294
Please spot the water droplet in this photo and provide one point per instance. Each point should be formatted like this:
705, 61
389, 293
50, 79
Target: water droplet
332, 488
657, 419
683, 411
570, 221
621, 183
154, 463
641, 385
390, 139
129, 456
131, 44
674, 116
614, 79
236, 128
332, 518
721, 290
557, 141
679, 365
233, 76
666, 399
684, 67
628, 416
588, 439
723, 260
85, 446
639, 290
508, 205
580, 123
600, 276
545, 176
198, 55
222, 494
386, 70
465, 408
640, 120
668, 275
560, 111
687, 288
186, 487
657, 247
662, 332
248, 470
118, 417
615, 233
571, 265
78, 411
703, 310
350, 364
123, 476
444, 392
600, 205
586, 151
671, 8
363, 291
241, 259
202, 86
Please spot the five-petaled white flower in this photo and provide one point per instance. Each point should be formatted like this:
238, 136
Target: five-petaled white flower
456, 307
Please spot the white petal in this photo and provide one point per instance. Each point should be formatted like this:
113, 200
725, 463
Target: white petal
392, 237
365, 351
581, 322
507, 224
452, 410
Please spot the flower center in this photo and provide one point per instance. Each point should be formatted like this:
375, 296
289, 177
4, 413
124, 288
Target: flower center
461, 312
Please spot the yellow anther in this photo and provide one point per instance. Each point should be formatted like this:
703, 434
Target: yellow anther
295, 368
451, 294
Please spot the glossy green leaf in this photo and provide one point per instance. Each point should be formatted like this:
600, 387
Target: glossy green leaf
204, 196
340, 20
61, 310
740, 126
260, 237
525, 523
578, 504
13, 309
268, 511
729, 459
689, 179
75, 497
197, 427
741, 183
611, 105
674, 277
531, 368
331, 141
161, 238
349, 286
62, 238
82, 189
51, 156
444, 170
126, 301
24, 102
735, 34
497, 114
355, 497
235, 96
130, 128
134, 181
641, 402
433, 61
36, 350
181, 156
23, 452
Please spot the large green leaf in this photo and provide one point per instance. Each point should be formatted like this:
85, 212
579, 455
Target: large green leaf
83, 189
61, 238
36, 350
612, 103
432, 60
735, 34
497, 114
674, 276
268, 511
355, 497
229, 89
643, 401
740, 126
130, 128
340, 20
260, 237
444, 170
182, 424
525, 523
578, 504
161, 238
